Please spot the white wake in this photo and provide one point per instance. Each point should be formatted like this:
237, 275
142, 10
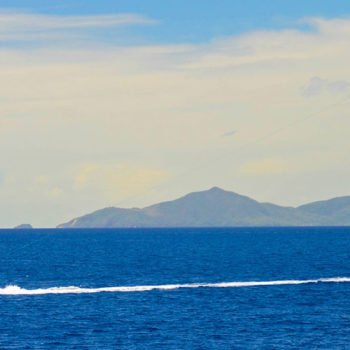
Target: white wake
15, 290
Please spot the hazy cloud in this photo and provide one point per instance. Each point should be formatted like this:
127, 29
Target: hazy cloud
104, 123
229, 133
26, 26
55, 192
266, 166
317, 86
116, 179
41, 179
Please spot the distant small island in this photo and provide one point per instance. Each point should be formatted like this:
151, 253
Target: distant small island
23, 227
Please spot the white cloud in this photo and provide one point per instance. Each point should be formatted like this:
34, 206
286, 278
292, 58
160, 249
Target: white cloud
15, 25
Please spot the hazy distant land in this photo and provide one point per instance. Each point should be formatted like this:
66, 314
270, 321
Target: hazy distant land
218, 208
23, 227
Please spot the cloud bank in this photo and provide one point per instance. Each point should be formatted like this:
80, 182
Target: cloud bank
142, 116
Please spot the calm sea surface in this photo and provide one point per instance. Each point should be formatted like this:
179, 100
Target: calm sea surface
246, 288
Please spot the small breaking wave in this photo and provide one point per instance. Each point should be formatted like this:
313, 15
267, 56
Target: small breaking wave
16, 290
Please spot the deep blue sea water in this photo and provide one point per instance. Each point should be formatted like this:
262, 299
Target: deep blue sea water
309, 312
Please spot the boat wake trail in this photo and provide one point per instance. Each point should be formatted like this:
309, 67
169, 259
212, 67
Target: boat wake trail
15, 290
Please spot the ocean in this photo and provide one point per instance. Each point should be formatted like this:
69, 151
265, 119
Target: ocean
207, 288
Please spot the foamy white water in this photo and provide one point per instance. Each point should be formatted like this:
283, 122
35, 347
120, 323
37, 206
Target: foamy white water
15, 290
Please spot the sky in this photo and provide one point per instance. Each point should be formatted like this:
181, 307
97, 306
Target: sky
128, 103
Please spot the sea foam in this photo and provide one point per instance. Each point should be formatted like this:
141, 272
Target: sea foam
16, 290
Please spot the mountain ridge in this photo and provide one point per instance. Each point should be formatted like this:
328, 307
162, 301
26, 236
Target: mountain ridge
216, 208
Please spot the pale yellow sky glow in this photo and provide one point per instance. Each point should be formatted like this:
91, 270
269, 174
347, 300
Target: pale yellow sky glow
100, 125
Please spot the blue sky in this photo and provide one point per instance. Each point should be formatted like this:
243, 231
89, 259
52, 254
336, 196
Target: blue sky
194, 21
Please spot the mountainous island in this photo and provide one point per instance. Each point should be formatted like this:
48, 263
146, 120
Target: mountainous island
218, 208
